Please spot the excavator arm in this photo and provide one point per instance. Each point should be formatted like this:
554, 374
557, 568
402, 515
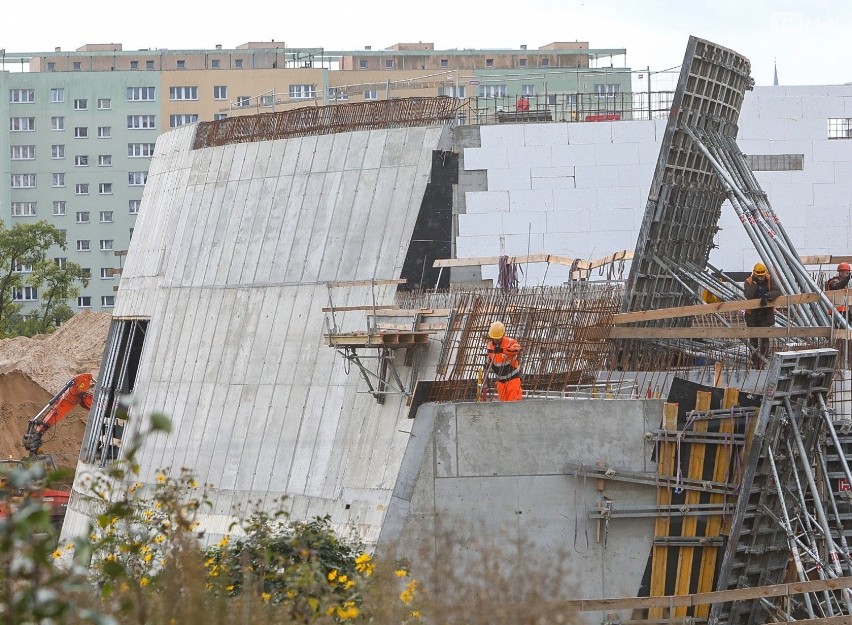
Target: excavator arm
77, 392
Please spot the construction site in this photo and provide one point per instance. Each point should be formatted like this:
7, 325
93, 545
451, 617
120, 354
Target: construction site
297, 301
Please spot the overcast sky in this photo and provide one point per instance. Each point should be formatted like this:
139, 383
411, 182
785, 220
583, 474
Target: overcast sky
810, 41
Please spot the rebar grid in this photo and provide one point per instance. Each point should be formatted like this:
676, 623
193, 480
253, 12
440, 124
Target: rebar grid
322, 120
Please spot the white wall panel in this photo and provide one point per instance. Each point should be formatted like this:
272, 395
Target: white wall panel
530, 199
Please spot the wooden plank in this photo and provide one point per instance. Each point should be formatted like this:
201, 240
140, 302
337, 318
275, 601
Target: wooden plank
709, 309
665, 469
689, 525
706, 598
718, 333
578, 263
367, 307
825, 259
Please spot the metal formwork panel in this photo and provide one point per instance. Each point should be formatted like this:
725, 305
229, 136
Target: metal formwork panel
785, 438
685, 200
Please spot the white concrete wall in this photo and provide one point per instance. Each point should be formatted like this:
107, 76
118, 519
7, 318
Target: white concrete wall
580, 189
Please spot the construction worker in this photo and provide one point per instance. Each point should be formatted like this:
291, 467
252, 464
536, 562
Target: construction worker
502, 354
522, 105
759, 286
840, 281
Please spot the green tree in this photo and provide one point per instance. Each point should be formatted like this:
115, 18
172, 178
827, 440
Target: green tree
27, 244
56, 285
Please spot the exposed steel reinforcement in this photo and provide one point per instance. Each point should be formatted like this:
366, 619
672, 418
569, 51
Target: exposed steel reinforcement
323, 120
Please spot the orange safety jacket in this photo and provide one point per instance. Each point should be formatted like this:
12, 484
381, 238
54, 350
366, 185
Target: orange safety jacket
835, 284
503, 359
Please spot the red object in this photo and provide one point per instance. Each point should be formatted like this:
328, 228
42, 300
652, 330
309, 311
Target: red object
607, 117
77, 392
522, 104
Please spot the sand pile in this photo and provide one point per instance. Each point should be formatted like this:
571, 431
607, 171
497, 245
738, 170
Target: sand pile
32, 370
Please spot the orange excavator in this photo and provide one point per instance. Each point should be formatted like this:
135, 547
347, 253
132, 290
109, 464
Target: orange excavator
79, 391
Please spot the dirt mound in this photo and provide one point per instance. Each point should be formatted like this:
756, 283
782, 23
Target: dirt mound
33, 370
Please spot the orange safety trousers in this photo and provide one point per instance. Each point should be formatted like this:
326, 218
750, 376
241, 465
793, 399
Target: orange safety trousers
510, 390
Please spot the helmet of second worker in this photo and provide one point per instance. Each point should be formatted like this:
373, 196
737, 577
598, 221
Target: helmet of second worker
496, 330
844, 267
759, 270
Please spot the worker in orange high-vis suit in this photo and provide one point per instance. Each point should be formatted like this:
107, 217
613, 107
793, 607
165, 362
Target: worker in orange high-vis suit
503, 363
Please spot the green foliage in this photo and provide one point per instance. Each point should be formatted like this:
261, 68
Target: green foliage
28, 244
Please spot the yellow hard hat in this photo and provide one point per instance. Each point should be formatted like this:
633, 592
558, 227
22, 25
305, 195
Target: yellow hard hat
496, 330
759, 270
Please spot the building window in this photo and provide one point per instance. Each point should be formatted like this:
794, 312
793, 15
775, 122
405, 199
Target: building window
181, 64
81, 132
86, 272
238, 63
81, 161
104, 160
140, 94
522, 62
183, 93
302, 91
107, 301
84, 301
83, 217
23, 181
81, 188
545, 62
22, 124
220, 92
362, 64
57, 95
22, 268
137, 178
51, 66
23, 152
106, 217
104, 132
388, 63
106, 245
337, 94
21, 95
140, 121
445, 63
59, 208
527, 89
372, 94
84, 245
489, 62
267, 100
134, 64
58, 180
105, 188
104, 104
61, 262
77, 66
607, 90
219, 116
181, 119
136, 150
243, 100
24, 209
452, 91
840, 127
149, 64
550, 98
214, 64
57, 123
24, 293
57, 151
133, 205
775, 162
81, 105
106, 273
492, 91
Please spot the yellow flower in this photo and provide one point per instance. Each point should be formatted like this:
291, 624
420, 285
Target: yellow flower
343, 579
57, 554
123, 587
144, 581
69, 546
401, 573
229, 588
332, 575
224, 542
414, 614
159, 538
161, 479
148, 557
407, 595
265, 597
348, 585
193, 484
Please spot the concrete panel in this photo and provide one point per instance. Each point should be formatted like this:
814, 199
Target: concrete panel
486, 201
621, 198
572, 199
638, 131
502, 135
596, 176
545, 134
517, 221
617, 154
576, 220
798, 129
508, 179
496, 157
528, 157
526, 200
597, 133
574, 154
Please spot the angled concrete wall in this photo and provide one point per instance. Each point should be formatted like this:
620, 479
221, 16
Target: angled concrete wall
231, 261
481, 477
